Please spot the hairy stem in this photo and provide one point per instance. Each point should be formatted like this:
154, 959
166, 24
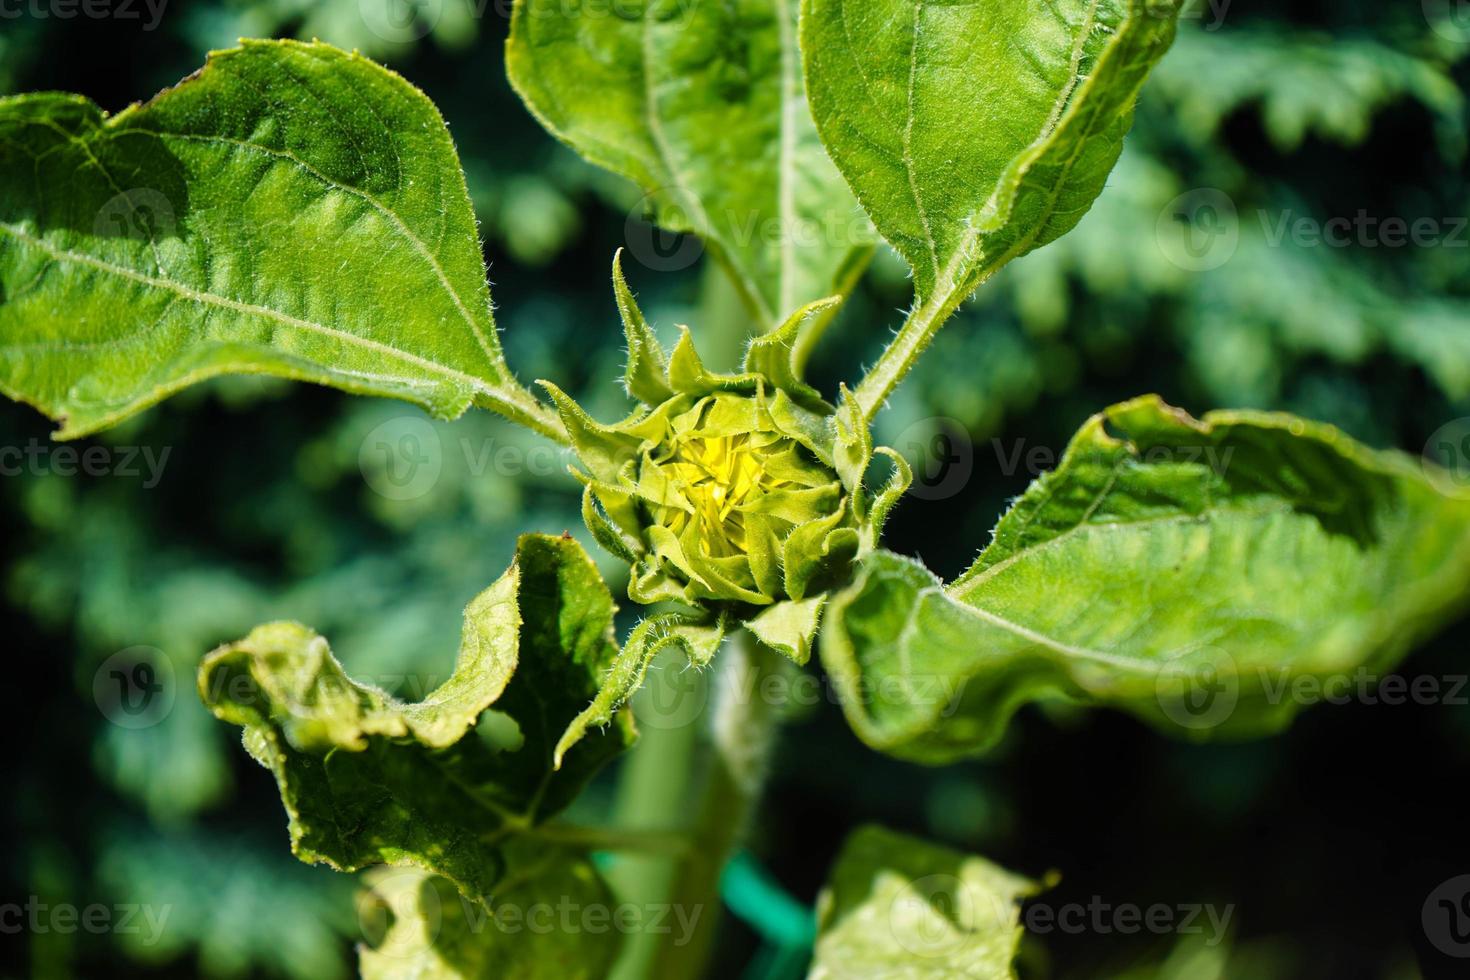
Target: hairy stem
901, 354
741, 727
742, 732
526, 409
656, 787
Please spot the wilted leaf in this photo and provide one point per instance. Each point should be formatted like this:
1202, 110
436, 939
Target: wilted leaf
434, 933
442, 784
1187, 571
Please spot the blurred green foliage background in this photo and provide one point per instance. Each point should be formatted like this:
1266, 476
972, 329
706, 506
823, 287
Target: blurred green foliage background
1180, 281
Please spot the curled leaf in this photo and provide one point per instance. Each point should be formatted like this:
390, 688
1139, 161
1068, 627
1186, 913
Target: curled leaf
1189, 572
442, 784
898, 906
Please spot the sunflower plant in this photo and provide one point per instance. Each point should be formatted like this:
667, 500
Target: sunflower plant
299, 211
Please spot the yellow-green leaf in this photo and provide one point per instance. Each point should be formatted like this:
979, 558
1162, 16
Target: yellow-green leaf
900, 908
448, 783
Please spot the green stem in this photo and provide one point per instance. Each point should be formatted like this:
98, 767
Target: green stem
614, 839
655, 787
740, 732
724, 322
915, 334
522, 407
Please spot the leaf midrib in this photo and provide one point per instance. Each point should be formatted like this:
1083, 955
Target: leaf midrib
965, 585
962, 599
224, 302
416, 243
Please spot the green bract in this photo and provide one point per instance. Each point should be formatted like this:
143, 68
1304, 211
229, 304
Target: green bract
713, 492
725, 492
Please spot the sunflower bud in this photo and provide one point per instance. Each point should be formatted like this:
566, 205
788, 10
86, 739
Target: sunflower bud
740, 494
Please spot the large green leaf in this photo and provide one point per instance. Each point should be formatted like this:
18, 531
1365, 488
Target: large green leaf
900, 908
701, 103
974, 131
290, 209
443, 784
1190, 572
553, 921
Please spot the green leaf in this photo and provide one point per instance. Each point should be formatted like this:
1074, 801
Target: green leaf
442, 784
290, 209
1189, 572
435, 934
899, 907
973, 132
701, 104
688, 374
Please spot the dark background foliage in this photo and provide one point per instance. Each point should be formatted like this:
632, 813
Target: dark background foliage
1325, 841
